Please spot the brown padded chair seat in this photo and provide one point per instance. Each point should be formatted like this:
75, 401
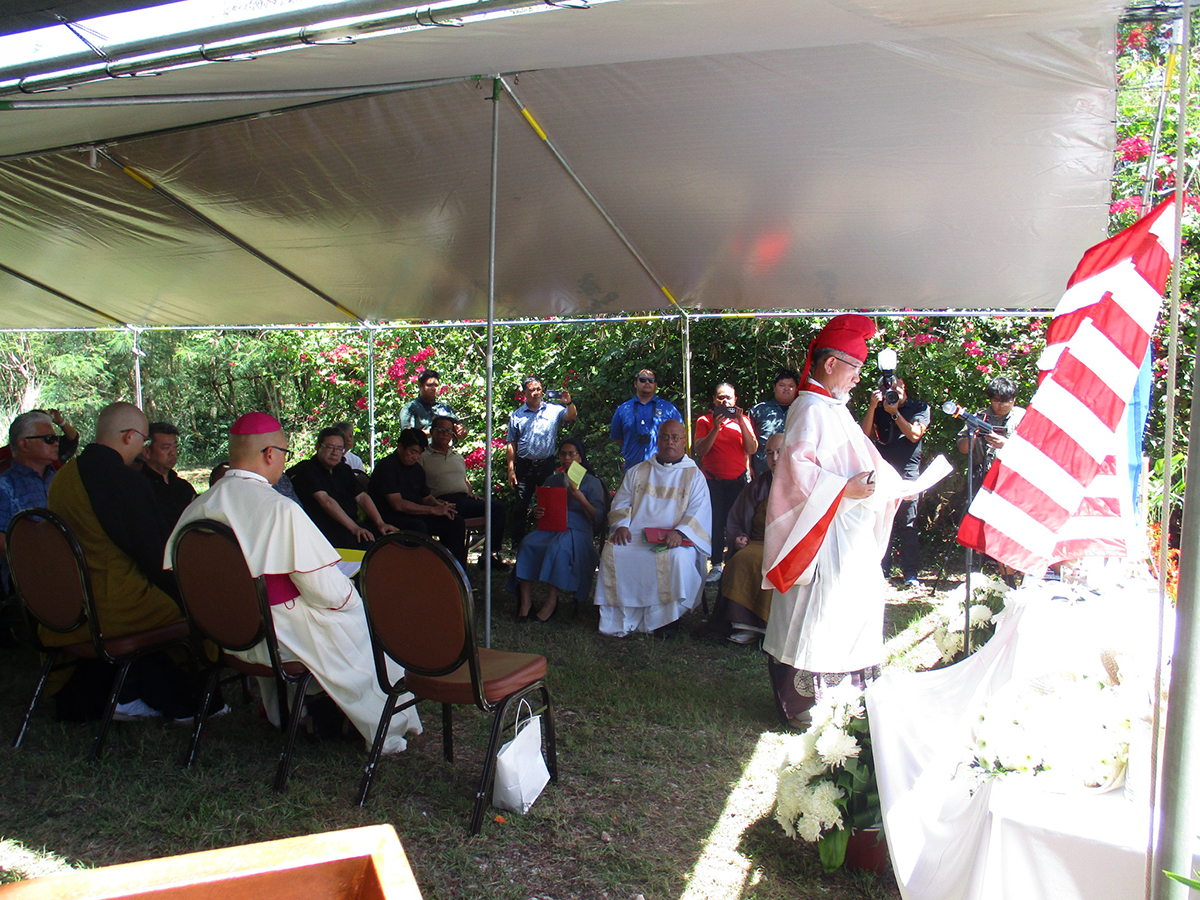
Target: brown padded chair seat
126, 644
502, 674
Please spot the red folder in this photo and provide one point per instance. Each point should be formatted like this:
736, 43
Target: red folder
554, 501
659, 536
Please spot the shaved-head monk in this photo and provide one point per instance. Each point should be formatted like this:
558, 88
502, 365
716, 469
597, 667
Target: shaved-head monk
111, 510
317, 613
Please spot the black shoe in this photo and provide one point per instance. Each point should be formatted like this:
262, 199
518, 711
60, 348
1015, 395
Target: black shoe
668, 631
525, 619
553, 613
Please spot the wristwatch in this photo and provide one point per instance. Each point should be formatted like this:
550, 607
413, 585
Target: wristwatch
895, 416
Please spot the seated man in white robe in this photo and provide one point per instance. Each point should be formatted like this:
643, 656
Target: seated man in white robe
645, 586
318, 614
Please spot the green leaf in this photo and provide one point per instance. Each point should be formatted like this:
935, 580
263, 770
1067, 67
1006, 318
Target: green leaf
832, 849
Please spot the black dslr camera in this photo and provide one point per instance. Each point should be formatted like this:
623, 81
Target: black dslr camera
887, 377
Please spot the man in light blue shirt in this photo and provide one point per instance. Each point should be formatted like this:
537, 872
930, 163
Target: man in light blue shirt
26, 483
636, 422
533, 446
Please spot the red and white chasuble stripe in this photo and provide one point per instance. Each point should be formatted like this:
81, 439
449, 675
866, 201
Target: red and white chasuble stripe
1055, 490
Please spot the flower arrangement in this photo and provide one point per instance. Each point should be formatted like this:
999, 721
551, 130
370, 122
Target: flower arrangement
827, 787
1070, 730
987, 599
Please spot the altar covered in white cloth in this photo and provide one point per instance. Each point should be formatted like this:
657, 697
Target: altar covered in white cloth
955, 833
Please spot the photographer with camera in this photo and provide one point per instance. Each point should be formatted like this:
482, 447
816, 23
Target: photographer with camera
896, 422
725, 441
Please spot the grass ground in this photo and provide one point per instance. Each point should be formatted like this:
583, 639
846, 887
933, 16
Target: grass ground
656, 797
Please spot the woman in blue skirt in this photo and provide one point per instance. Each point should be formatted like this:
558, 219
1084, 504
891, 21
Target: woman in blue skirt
565, 560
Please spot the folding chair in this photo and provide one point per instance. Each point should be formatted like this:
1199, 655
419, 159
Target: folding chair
228, 606
421, 614
50, 575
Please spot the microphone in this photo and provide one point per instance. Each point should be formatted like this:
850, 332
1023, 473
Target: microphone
951, 408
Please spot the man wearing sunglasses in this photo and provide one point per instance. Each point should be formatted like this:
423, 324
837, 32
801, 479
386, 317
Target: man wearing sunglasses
26, 483
636, 421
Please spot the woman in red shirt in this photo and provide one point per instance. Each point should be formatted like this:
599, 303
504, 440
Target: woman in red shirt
725, 442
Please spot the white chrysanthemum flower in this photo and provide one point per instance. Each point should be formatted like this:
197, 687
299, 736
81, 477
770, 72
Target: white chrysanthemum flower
809, 828
835, 747
825, 795
980, 615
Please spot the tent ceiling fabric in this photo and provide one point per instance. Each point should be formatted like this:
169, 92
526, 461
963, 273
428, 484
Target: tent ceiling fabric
915, 154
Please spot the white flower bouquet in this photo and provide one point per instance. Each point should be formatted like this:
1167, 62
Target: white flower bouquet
987, 599
827, 786
1069, 730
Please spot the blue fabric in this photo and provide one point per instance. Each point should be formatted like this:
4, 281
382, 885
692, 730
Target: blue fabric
565, 559
535, 433
420, 415
20, 488
1139, 411
633, 418
769, 418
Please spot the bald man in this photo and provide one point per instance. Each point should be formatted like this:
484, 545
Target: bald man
318, 615
111, 510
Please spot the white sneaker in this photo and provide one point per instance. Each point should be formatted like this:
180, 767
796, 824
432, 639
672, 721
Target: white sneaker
191, 720
743, 637
714, 574
135, 711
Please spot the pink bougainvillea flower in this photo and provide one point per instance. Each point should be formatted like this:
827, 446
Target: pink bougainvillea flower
361, 402
1133, 148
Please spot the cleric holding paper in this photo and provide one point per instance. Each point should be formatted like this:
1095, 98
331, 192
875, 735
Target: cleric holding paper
644, 587
318, 614
828, 525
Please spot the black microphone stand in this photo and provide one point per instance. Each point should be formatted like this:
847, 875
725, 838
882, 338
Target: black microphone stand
972, 434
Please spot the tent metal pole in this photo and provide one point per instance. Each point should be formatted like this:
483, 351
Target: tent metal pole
232, 96
686, 328
489, 396
227, 234
137, 368
228, 40
1180, 812
370, 332
599, 207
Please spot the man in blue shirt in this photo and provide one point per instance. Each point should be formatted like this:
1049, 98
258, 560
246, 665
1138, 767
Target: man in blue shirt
26, 483
636, 422
533, 446
770, 416
420, 413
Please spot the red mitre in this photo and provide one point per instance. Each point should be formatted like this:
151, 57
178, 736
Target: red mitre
255, 423
847, 333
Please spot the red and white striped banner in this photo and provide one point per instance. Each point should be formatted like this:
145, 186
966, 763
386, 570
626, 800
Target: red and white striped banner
1055, 490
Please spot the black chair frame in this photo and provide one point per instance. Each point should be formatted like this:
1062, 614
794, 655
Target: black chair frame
289, 718
468, 655
87, 616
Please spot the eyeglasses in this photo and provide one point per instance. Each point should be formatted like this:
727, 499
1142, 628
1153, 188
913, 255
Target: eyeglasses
443, 430
644, 380
330, 448
44, 438
287, 454
857, 367
144, 437
670, 438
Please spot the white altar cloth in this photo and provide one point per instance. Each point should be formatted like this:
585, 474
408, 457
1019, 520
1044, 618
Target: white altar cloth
954, 838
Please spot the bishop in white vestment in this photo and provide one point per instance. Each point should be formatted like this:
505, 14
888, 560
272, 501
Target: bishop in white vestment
645, 586
828, 525
318, 614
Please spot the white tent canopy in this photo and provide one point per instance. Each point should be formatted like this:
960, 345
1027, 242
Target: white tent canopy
756, 155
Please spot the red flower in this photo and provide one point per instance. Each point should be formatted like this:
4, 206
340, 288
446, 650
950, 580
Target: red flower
1133, 148
361, 402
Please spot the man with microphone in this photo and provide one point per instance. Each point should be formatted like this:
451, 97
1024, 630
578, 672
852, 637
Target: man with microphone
1001, 415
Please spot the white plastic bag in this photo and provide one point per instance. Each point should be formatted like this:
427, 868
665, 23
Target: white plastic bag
521, 771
